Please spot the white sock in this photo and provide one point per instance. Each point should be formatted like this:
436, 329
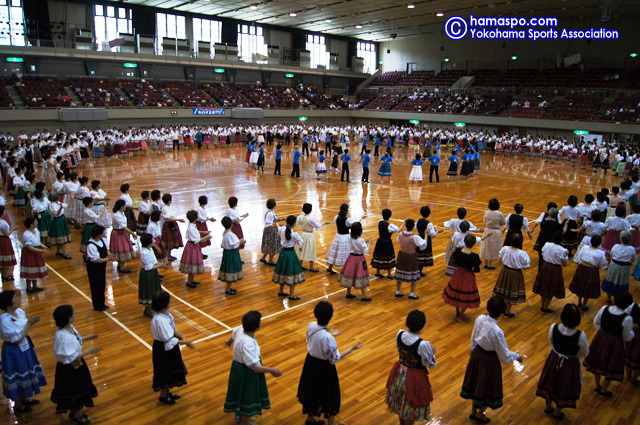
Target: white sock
398, 292
412, 294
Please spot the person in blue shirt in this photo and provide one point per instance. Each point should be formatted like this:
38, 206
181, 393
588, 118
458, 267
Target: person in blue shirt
260, 163
416, 169
314, 142
276, 170
385, 167
327, 143
305, 145
435, 162
321, 168
476, 160
295, 172
366, 159
365, 139
389, 144
377, 146
345, 165
453, 165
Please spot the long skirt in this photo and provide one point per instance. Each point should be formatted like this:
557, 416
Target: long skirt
606, 356
462, 290
120, 245
385, 169
561, 380
132, 221
510, 285
59, 233
407, 268
549, 281
319, 388
491, 244
171, 237
339, 250
231, 266
22, 374
416, 173
632, 355
453, 169
148, 285
569, 238
617, 279
202, 226
169, 370
247, 393
586, 282
7, 254
308, 250
191, 261
270, 241
425, 256
610, 239
483, 379
76, 210
143, 222
44, 224
32, 265
288, 270
384, 255
236, 228
409, 393
73, 388
161, 253
354, 272
86, 236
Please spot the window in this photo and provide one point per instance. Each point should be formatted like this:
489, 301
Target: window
251, 45
367, 51
206, 30
319, 55
170, 26
11, 23
109, 22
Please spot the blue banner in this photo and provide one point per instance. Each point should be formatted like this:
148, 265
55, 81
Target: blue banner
208, 111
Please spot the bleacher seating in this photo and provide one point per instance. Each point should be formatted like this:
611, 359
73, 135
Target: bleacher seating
5, 98
146, 94
515, 78
388, 78
416, 79
602, 78
188, 94
445, 79
42, 92
484, 77
487, 105
227, 95
97, 92
416, 102
576, 108
529, 106
275, 97
623, 110
556, 77
384, 102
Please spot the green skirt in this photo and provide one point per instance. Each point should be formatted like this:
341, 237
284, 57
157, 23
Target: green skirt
59, 233
231, 266
148, 285
20, 198
247, 393
288, 270
44, 224
86, 236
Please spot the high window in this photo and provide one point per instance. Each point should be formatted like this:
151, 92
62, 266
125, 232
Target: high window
11, 23
170, 26
316, 44
109, 21
251, 45
368, 52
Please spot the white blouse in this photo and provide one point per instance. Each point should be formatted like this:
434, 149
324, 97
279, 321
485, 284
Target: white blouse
58, 187
583, 343
569, 213
54, 207
4, 226
11, 328
90, 216
202, 214
321, 344
634, 220
585, 210
40, 205
270, 218
312, 221
154, 229
92, 250
295, 238
454, 225
514, 258
627, 323
167, 211
525, 223
163, 329
67, 345
147, 258
594, 256
230, 240
424, 349
145, 207
358, 246
82, 192
31, 238
623, 253
554, 254
127, 199
488, 335
119, 221
592, 228
245, 348
233, 214
193, 234
617, 223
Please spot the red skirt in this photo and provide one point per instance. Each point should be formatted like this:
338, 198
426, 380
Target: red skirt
550, 281
560, 381
171, 239
191, 261
586, 282
606, 356
635, 240
7, 254
161, 255
417, 386
611, 238
32, 265
202, 226
354, 272
483, 379
462, 290
237, 230
120, 245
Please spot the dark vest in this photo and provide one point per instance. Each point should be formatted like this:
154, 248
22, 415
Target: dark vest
566, 345
341, 223
409, 356
612, 324
383, 230
515, 222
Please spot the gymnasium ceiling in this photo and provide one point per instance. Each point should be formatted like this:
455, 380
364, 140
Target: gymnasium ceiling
379, 19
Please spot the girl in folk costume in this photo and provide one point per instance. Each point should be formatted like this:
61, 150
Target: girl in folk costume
426, 231
156, 201
385, 167
407, 269
355, 273
58, 186
453, 165
120, 242
632, 357
236, 218
550, 280
59, 233
144, 212
591, 227
384, 255
539, 221
82, 192
570, 216
561, 378
96, 260
483, 377
7, 254
90, 220
171, 237
154, 228
319, 386
22, 374
613, 227
416, 169
462, 290
99, 199
132, 223
201, 223
321, 168
260, 163
32, 265
149, 278
586, 280
510, 283
549, 226
247, 393
20, 183
231, 265
617, 278
40, 208
607, 350
307, 252
515, 223
73, 388
409, 392
270, 238
76, 208
169, 370
491, 238
614, 200
339, 249
457, 241
453, 225
288, 270
634, 221
191, 262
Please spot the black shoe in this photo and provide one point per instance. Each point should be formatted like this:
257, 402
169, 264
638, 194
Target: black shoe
174, 396
191, 285
204, 256
414, 297
167, 400
399, 295
350, 296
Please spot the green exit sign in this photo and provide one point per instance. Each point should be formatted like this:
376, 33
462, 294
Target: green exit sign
303, 118
580, 132
130, 65
460, 124
218, 70
289, 75
15, 60
414, 121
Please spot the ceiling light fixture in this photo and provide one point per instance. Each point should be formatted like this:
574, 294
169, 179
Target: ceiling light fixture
293, 14
411, 6
440, 14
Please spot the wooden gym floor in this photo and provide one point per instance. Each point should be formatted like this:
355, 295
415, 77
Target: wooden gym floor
122, 371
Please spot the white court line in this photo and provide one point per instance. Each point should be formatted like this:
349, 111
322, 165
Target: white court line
109, 315
211, 336
197, 309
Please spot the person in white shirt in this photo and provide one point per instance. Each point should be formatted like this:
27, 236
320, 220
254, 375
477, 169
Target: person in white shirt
73, 388
510, 283
149, 278
483, 377
7, 254
586, 280
617, 278
319, 386
120, 242
607, 351
144, 208
550, 280
591, 227
40, 208
59, 233
570, 215
613, 227
171, 237
561, 378
384, 255
132, 222
247, 393
201, 222
235, 216
355, 273
168, 368
231, 265
154, 228
307, 224
32, 265
270, 238
288, 270
191, 262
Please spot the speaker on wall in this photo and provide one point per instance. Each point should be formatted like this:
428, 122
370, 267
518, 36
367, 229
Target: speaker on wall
388, 51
